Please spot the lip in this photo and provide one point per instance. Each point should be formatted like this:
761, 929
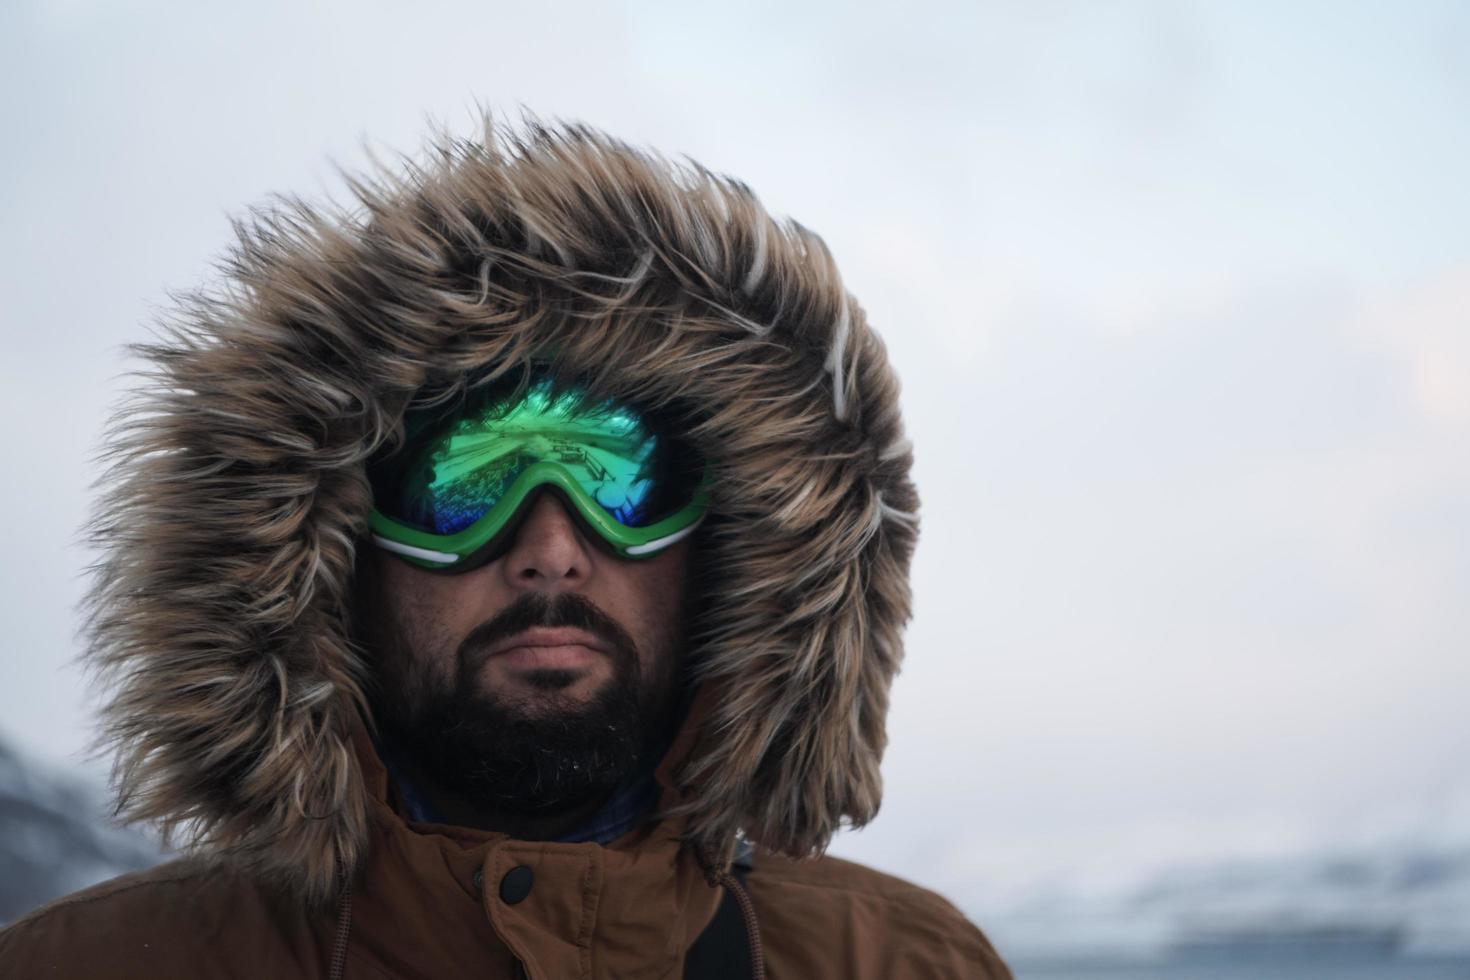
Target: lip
543, 647
542, 636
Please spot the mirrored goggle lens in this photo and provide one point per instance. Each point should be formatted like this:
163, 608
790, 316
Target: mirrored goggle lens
456, 470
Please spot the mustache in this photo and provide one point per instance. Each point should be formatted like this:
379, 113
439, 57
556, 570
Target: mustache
565, 609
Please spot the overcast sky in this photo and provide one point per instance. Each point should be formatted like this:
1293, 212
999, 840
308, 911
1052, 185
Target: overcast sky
1179, 294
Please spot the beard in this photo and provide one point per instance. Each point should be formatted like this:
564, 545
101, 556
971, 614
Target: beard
532, 754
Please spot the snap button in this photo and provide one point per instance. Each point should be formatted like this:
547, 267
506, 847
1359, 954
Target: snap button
516, 884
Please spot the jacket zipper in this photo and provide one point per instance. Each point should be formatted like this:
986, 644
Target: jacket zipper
344, 927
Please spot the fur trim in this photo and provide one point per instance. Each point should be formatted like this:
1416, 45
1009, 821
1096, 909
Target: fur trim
237, 496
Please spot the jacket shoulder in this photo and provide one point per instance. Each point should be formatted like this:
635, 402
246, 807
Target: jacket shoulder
187, 918
829, 917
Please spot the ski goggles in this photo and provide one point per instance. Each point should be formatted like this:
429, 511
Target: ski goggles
452, 497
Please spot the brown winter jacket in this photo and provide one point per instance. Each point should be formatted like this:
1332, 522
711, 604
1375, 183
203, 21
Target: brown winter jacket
430, 904
238, 505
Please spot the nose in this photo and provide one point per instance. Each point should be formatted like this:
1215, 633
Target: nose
548, 553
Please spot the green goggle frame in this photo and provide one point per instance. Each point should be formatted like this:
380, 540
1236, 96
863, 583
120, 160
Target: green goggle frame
534, 440
452, 552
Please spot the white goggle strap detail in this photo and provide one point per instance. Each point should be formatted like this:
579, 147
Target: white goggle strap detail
658, 544
426, 554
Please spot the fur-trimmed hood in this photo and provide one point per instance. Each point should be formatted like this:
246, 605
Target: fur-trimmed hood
237, 499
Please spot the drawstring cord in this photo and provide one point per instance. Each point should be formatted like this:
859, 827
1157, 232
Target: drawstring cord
718, 873
344, 924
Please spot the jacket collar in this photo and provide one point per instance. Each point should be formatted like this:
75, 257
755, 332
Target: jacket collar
645, 891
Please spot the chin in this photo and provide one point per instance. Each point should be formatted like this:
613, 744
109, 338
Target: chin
542, 694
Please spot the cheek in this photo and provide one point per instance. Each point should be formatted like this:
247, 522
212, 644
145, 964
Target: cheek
426, 617
661, 602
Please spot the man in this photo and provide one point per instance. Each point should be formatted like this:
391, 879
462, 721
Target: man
506, 580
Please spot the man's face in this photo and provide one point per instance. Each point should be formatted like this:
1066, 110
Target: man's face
536, 681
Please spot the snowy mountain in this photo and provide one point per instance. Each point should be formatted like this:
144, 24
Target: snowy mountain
1419, 896
1423, 892
56, 836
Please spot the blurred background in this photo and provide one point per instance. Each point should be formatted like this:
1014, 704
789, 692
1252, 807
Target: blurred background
1180, 296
